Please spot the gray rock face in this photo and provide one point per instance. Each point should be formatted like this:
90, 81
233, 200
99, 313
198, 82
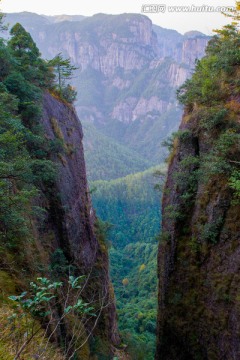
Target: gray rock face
71, 181
72, 220
198, 261
192, 49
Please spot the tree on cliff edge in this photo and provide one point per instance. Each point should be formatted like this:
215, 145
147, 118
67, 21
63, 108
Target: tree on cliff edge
63, 70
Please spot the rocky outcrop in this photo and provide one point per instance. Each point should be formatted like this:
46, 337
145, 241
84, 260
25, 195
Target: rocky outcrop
177, 75
199, 251
131, 109
70, 221
192, 49
63, 241
99, 44
60, 121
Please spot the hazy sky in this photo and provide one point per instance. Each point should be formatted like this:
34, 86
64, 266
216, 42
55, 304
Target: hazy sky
180, 20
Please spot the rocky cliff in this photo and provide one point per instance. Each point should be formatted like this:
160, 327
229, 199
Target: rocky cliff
66, 237
199, 251
73, 222
198, 260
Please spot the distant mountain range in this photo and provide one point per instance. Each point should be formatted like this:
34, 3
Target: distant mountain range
129, 70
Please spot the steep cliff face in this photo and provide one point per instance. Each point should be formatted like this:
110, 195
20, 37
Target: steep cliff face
63, 240
72, 220
193, 48
102, 42
60, 121
198, 259
182, 48
199, 251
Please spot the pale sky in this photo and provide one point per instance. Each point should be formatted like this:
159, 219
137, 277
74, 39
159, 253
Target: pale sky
181, 21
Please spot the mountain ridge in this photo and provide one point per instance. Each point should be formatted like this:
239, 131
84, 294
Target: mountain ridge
117, 55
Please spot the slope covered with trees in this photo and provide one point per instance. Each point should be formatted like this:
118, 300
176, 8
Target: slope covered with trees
107, 159
130, 209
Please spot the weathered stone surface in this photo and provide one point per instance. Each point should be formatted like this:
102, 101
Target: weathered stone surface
198, 262
72, 220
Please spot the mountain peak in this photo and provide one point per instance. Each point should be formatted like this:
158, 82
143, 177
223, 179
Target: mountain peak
194, 33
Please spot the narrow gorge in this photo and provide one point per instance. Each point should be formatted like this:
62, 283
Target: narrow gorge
110, 251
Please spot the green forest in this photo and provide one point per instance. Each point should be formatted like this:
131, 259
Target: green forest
24, 155
129, 209
24, 150
106, 159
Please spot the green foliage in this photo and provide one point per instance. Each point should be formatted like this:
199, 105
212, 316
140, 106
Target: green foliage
102, 231
63, 71
186, 178
23, 45
41, 293
136, 301
234, 182
16, 188
131, 205
6, 63
59, 265
41, 302
212, 80
223, 157
27, 57
211, 230
25, 91
182, 135
213, 118
24, 151
69, 94
118, 161
201, 88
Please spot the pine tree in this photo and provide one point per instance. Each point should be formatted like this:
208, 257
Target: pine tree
25, 51
63, 70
